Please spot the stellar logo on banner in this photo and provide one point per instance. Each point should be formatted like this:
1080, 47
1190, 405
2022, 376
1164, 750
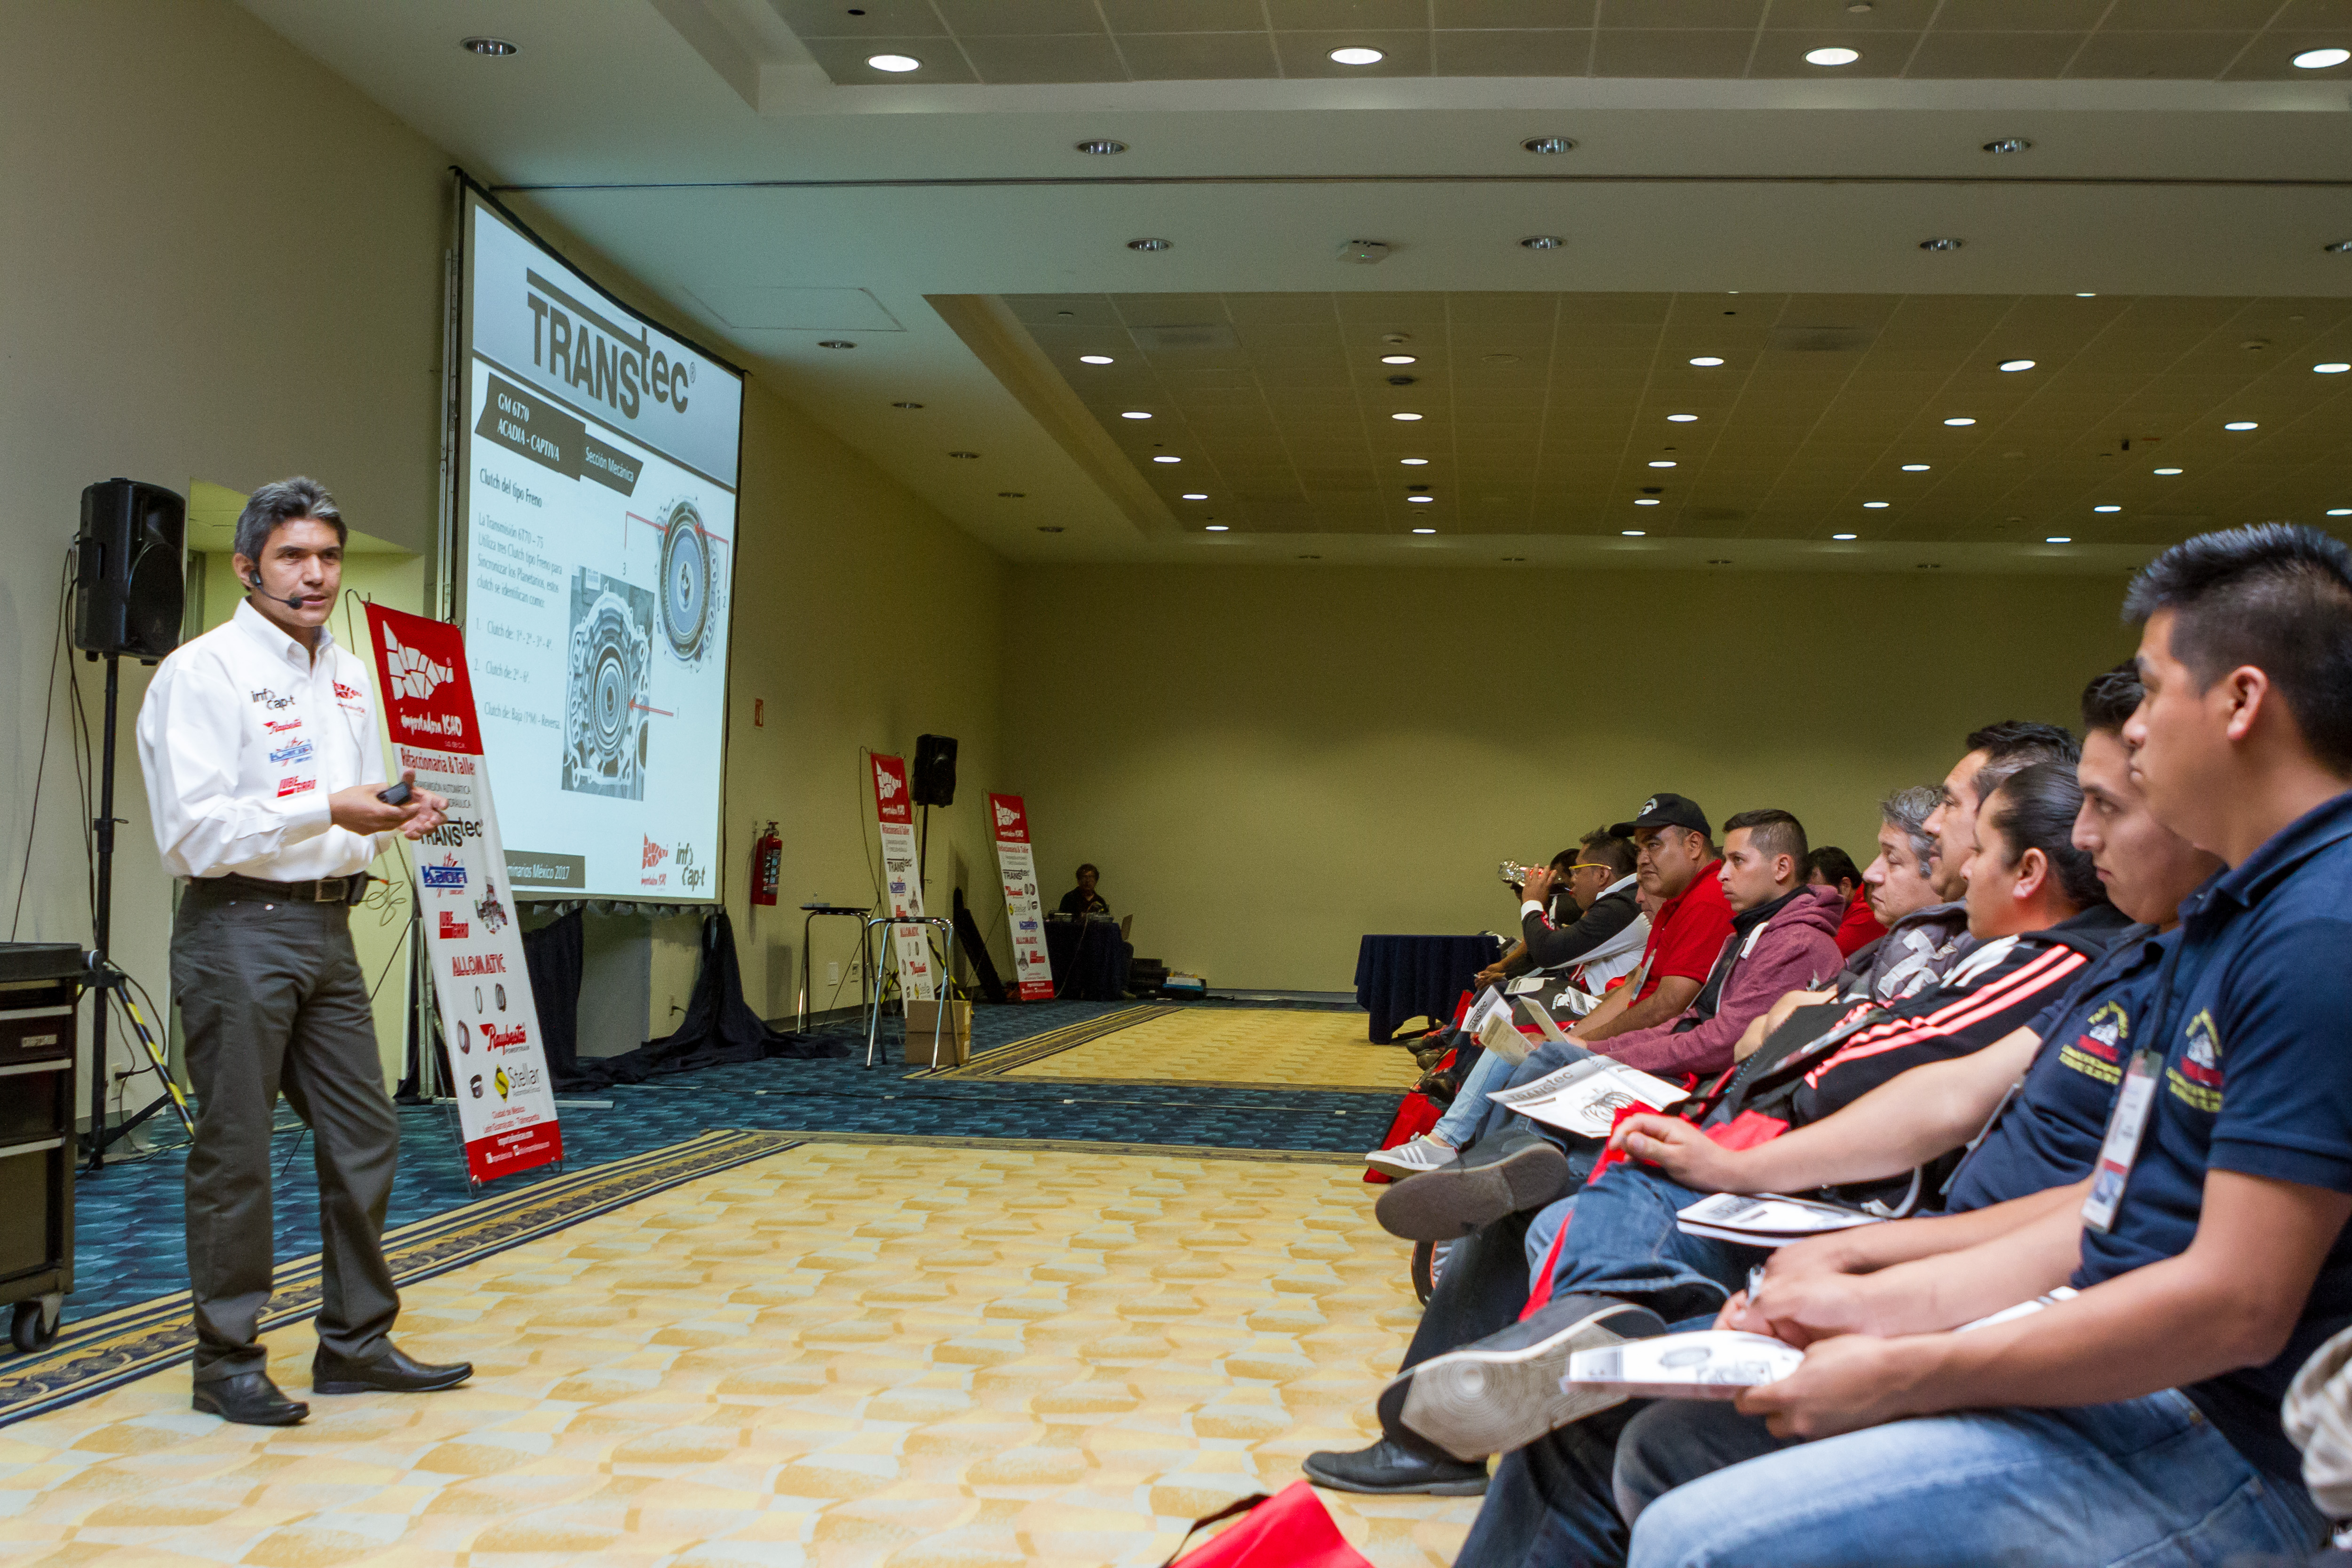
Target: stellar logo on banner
895, 816
429, 708
1016, 859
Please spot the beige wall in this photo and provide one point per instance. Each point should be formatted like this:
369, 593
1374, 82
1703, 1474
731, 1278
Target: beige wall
1268, 762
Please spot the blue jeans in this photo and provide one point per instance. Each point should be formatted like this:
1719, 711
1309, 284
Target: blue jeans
1467, 1114
1623, 1241
2147, 1481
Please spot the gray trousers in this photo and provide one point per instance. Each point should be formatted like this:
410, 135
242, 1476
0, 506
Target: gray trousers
275, 1004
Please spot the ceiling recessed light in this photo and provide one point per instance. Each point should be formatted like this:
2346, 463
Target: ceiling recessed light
1167, 459
1217, 527
966, 455
1399, 358
835, 343
1914, 467
2017, 364
1546, 143
1875, 505
1135, 413
2241, 424
894, 62
1411, 501
493, 48
1634, 532
2107, 509
1648, 500
1150, 245
2332, 367
2339, 511
906, 406
2059, 539
1706, 360
1425, 531
1942, 242
2009, 145
1103, 147
1405, 416
1414, 462
1661, 462
1097, 359
2167, 471
1962, 421
1831, 56
2320, 59
1543, 242
1357, 57
1845, 536
1681, 418
1196, 495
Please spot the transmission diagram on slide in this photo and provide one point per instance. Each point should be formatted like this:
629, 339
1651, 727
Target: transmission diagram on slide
608, 694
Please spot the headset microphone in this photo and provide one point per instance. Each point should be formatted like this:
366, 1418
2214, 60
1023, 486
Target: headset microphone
296, 603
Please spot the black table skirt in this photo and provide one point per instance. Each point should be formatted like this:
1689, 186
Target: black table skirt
1090, 961
1401, 977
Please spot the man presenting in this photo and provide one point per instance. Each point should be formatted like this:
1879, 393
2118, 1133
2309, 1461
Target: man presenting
258, 745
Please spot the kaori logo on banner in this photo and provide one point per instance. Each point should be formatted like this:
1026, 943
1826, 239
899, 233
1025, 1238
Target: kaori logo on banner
506, 1110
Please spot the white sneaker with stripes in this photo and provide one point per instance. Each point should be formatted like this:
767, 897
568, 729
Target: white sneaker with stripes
1412, 1158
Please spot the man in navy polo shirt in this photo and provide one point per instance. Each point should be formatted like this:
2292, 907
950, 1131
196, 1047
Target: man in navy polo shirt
2139, 1420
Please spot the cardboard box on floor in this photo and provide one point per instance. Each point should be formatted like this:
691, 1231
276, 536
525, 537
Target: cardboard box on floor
954, 1034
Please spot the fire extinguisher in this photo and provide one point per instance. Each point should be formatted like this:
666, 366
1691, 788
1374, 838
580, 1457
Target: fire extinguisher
767, 865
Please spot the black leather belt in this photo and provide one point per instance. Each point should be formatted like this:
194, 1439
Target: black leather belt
348, 889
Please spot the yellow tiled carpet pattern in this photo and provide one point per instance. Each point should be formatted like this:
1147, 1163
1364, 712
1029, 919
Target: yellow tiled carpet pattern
841, 1354
1258, 1047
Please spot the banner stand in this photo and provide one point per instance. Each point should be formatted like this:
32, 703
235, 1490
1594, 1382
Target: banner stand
1017, 864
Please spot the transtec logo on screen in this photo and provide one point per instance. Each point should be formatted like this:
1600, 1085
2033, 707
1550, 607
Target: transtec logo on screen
588, 354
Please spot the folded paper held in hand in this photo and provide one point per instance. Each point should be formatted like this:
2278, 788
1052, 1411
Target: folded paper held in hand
1584, 1097
1766, 1219
1713, 1363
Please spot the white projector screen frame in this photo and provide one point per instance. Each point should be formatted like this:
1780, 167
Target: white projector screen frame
595, 465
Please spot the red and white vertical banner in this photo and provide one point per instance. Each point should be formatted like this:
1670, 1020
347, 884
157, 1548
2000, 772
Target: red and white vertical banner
894, 810
506, 1107
1017, 862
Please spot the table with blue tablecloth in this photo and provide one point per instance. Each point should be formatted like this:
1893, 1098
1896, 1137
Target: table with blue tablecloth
1090, 959
1401, 977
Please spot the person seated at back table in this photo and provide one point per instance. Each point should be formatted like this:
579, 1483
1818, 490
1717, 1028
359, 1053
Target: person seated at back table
1832, 867
1083, 900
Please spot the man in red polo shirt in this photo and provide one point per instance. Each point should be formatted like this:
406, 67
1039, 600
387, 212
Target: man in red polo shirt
1676, 865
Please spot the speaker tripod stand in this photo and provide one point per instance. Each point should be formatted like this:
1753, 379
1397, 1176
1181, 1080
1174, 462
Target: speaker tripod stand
104, 976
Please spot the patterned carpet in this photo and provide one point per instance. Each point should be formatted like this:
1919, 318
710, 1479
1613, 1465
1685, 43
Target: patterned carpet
1237, 1049
842, 1354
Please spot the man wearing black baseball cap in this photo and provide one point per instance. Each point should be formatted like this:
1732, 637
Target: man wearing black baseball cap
1678, 867
1666, 811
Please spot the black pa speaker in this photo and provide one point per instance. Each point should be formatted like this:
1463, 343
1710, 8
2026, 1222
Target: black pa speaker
129, 569
934, 778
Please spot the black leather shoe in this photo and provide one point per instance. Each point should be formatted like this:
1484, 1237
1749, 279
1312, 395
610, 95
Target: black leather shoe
391, 1373
1518, 1173
249, 1399
1386, 1467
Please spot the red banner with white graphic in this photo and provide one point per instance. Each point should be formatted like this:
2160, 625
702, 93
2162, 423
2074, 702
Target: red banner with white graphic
505, 1105
893, 814
1016, 861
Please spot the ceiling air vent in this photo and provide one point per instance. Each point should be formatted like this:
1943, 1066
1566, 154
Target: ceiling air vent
1157, 340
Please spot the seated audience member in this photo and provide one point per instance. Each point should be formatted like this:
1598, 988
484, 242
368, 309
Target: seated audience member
1832, 867
1513, 963
1570, 908
2041, 918
2139, 1420
1083, 900
1676, 864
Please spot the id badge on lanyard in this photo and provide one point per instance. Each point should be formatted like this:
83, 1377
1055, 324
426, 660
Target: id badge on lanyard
2134, 1100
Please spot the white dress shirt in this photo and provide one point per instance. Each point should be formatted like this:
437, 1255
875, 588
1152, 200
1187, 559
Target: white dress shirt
243, 737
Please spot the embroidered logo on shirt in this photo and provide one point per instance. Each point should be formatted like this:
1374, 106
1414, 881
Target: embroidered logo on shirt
295, 786
271, 700
347, 693
2098, 1051
2197, 1081
279, 726
292, 752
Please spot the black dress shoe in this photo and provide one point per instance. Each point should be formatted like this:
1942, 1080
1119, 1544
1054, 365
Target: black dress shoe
1386, 1467
249, 1399
391, 1373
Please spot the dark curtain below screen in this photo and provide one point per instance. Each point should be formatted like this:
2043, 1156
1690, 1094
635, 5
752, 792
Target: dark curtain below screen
551, 954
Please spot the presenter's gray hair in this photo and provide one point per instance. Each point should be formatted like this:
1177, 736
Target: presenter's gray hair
287, 500
1909, 809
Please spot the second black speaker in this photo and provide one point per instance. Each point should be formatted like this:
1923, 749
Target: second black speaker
934, 780
129, 569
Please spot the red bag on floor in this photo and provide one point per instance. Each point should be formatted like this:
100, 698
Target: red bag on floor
1289, 1530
